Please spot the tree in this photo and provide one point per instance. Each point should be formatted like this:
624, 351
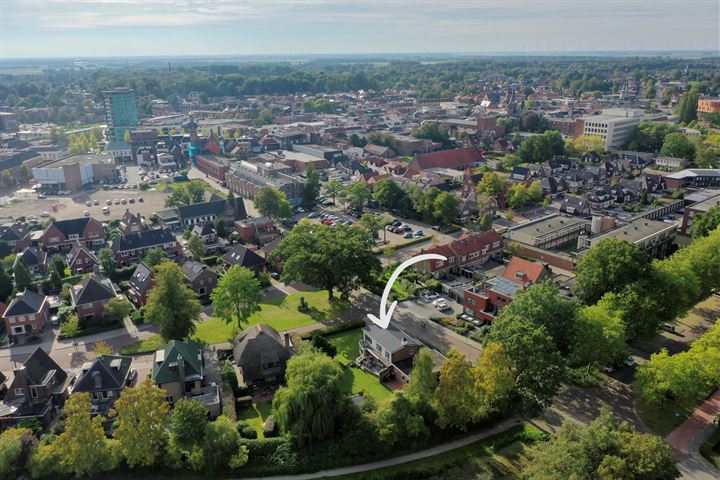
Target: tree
598, 336
538, 365
491, 184
220, 225
541, 148
70, 328
117, 309
55, 279
186, 194
687, 107
357, 195
446, 208
326, 257
543, 305
372, 223
237, 294
333, 187
423, 382
312, 185
23, 280
677, 145
455, 396
388, 193
606, 449
312, 406
432, 131
272, 203
222, 447
172, 304
356, 141
83, 448
6, 285
58, 264
532, 122
154, 257
16, 445
196, 247
608, 266
650, 90
494, 376
265, 117
399, 422
705, 223
189, 423
7, 179
101, 347
322, 344
107, 261
486, 222
140, 422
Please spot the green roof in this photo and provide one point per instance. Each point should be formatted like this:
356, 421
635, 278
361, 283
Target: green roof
165, 361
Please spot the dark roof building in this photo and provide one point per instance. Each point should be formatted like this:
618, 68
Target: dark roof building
241, 255
261, 354
25, 303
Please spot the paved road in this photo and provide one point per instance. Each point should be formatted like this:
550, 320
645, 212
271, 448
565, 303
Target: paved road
411, 457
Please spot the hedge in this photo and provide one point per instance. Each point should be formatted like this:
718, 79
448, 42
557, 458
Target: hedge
228, 402
333, 329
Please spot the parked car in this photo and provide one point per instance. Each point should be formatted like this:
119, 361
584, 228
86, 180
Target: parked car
442, 307
327, 221
106, 210
299, 210
669, 327
123, 201
96, 202
313, 215
44, 214
407, 235
438, 301
116, 201
430, 295
86, 213
140, 199
418, 234
41, 196
55, 320
436, 228
132, 200
629, 361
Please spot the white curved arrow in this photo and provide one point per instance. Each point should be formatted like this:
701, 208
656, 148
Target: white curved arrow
384, 320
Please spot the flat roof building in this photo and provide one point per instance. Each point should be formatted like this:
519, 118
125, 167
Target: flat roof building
121, 112
553, 231
615, 125
74, 171
651, 236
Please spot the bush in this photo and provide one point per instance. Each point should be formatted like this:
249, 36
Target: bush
244, 402
584, 377
228, 402
248, 432
241, 424
228, 375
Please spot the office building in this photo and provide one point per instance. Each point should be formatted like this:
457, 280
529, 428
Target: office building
121, 112
615, 125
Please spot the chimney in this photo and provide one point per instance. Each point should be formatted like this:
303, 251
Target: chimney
181, 373
286, 336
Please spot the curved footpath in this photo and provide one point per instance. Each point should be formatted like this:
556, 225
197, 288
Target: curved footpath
410, 457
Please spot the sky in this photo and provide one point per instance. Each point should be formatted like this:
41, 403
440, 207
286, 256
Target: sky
88, 28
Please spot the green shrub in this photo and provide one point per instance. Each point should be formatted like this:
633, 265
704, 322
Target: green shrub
248, 432
228, 375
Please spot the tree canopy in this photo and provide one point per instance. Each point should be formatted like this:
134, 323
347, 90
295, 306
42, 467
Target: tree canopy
237, 295
172, 304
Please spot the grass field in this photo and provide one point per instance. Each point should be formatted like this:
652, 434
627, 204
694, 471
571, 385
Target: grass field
256, 415
354, 379
663, 420
498, 457
281, 314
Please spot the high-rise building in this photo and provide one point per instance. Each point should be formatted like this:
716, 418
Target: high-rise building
121, 112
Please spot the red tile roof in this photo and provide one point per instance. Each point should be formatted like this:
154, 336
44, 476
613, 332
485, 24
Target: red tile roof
523, 271
459, 157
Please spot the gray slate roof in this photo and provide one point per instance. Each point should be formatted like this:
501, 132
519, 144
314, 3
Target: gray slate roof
141, 278
392, 338
25, 303
92, 289
241, 255
112, 371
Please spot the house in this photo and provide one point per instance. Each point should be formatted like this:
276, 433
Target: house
694, 178
26, 315
261, 354
140, 284
201, 278
180, 369
132, 223
387, 353
260, 230
463, 253
90, 296
37, 389
35, 260
243, 256
129, 248
208, 235
485, 300
16, 235
524, 272
574, 205
64, 234
81, 260
216, 207
104, 378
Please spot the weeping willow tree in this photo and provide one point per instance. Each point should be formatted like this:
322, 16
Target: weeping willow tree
313, 404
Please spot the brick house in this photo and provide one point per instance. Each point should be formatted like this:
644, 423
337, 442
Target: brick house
35, 260
104, 378
81, 260
90, 296
140, 284
201, 278
468, 250
243, 256
260, 230
26, 315
208, 235
215, 167
130, 248
64, 234
388, 353
484, 301
216, 207
459, 159
38, 388
16, 236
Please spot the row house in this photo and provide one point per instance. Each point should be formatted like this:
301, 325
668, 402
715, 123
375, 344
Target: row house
128, 249
140, 284
38, 389
216, 207
90, 296
16, 235
260, 230
208, 235
26, 315
468, 250
62, 235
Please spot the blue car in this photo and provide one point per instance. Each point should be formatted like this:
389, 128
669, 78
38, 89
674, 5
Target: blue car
418, 234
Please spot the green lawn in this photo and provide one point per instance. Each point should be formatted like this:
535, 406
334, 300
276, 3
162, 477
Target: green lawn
256, 415
354, 379
150, 344
663, 420
498, 457
281, 314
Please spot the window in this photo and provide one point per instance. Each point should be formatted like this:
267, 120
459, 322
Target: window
169, 399
33, 392
19, 391
439, 263
202, 290
73, 236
